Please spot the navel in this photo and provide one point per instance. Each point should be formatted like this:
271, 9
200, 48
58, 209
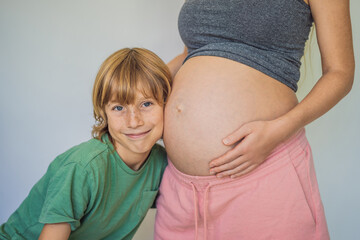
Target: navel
179, 108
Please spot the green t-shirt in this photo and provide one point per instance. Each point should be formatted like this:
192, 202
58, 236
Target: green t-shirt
90, 187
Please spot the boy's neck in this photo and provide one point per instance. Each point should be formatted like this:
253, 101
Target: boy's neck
134, 161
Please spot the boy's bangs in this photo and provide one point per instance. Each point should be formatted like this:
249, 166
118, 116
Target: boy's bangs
124, 88
150, 87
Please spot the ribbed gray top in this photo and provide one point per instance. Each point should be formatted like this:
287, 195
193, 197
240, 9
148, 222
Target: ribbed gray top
268, 35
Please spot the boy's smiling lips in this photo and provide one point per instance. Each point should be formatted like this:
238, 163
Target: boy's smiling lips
137, 135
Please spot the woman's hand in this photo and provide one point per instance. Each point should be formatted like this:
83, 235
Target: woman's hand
253, 142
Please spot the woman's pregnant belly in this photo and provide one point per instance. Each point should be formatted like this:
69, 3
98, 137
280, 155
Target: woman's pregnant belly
211, 98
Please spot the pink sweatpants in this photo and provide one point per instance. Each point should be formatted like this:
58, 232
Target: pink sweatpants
278, 200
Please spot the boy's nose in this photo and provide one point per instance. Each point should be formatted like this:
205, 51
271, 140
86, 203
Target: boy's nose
135, 119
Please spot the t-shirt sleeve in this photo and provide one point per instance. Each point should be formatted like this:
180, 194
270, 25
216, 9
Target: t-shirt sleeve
67, 196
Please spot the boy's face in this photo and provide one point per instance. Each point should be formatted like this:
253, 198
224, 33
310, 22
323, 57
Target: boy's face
135, 128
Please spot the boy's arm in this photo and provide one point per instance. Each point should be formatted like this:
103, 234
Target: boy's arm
55, 231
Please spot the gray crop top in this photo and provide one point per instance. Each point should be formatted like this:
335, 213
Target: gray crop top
268, 35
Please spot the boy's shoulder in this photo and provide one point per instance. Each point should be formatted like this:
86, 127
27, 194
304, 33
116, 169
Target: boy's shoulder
83, 153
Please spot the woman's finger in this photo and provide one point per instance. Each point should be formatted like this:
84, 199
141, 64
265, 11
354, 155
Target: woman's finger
239, 169
228, 165
227, 157
245, 171
237, 135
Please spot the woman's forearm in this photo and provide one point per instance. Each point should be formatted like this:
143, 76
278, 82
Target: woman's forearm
328, 91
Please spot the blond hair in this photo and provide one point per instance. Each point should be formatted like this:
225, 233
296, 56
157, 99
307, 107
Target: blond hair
123, 74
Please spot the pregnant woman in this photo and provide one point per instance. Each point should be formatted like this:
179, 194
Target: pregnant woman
240, 166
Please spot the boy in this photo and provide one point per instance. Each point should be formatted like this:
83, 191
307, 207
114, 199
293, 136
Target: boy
102, 188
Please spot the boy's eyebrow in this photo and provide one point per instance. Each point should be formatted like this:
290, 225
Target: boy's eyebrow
113, 102
143, 98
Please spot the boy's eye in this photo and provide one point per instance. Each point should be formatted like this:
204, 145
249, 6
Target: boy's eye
118, 108
147, 104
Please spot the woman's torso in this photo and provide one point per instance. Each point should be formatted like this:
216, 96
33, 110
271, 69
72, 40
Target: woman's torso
212, 97
227, 80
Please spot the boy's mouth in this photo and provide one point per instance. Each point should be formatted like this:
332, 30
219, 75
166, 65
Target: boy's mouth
137, 135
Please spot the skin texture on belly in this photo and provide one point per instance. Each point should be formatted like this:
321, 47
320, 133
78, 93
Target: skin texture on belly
211, 98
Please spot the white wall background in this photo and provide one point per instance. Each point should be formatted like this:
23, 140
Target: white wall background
50, 52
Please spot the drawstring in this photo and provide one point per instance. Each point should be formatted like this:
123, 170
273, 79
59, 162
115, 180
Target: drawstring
205, 210
196, 210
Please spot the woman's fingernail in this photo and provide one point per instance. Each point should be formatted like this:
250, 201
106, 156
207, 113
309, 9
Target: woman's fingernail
226, 141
